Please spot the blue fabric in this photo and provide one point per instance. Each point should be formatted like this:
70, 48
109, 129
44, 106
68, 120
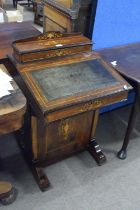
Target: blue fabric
130, 100
116, 23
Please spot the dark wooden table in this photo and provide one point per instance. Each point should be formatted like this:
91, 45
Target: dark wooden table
12, 110
12, 107
128, 64
10, 32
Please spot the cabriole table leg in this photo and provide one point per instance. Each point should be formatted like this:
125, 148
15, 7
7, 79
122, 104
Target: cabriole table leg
122, 154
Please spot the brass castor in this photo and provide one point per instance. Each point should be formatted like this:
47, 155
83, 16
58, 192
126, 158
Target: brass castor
8, 193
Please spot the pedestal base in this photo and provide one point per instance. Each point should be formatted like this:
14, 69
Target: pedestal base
41, 178
96, 152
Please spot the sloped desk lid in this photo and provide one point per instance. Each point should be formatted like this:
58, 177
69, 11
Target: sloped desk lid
59, 83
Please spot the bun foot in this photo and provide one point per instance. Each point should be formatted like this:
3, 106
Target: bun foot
96, 152
41, 178
122, 154
8, 193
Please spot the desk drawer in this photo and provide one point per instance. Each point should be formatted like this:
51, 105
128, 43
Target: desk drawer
88, 106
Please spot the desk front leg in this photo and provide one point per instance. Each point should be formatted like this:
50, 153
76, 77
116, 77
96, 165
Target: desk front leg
122, 154
31, 139
38, 131
93, 146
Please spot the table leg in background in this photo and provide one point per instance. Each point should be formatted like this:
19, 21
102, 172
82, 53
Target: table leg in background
122, 154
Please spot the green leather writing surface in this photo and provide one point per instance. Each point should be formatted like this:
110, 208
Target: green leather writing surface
71, 79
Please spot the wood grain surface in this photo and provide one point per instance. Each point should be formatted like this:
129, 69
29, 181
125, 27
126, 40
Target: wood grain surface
65, 95
12, 109
69, 15
10, 32
128, 60
50, 45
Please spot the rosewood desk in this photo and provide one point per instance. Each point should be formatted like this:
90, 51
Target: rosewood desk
128, 65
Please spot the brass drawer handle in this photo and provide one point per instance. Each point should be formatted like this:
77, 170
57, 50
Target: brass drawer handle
91, 105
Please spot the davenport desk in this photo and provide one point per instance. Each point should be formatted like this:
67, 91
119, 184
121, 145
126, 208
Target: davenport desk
65, 94
128, 65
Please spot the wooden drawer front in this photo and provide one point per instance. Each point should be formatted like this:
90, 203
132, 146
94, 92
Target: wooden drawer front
51, 53
50, 25
92, 105
67, 136
57, 17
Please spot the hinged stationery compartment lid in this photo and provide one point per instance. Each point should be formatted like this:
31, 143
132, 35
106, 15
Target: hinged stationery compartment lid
49, 45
